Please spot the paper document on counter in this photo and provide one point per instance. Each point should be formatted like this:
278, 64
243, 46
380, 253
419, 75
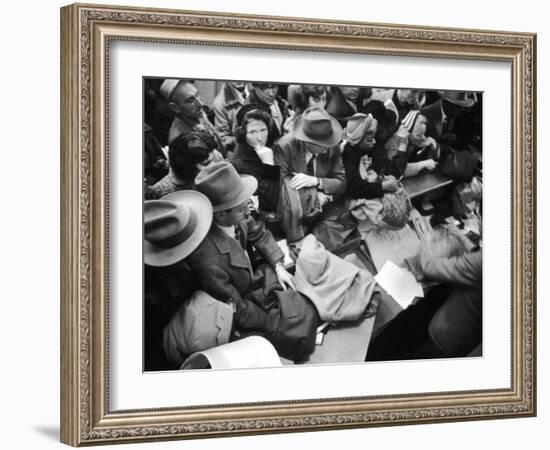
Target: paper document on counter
399, 283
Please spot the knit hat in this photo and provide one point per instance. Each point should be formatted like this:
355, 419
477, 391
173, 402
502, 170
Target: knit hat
356, 127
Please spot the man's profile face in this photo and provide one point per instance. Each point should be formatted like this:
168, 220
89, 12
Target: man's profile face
237, 214
186, 99
409, 95
266, 92
350, 93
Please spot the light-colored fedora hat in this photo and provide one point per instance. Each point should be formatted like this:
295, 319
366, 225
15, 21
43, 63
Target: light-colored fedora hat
224, 187
459, 98
175, 226
315, 125
168, 87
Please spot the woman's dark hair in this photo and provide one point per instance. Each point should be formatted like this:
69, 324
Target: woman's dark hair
307, 91
254, 114
385, 118
188, 150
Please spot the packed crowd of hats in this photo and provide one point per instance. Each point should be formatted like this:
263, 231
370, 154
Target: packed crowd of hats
245, 196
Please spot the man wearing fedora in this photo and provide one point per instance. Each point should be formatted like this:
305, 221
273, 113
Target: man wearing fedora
221, 263
445, 117
173, 228
309, 154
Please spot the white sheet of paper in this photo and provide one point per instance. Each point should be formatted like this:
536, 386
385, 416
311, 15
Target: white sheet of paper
399, 283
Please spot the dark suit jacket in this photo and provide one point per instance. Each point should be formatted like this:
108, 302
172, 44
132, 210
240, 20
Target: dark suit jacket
462, 132
456, 326
247, 162
290, 156
356, 186
435, 120
223, 270
339, 108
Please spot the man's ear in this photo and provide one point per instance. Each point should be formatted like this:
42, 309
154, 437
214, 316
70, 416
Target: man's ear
219, 215
174, 107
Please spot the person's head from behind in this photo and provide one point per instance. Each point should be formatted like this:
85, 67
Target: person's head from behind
266, 92
190, 153
384, 117
254, 128
311, 95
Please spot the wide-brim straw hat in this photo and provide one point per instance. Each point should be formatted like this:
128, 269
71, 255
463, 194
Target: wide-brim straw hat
175, 226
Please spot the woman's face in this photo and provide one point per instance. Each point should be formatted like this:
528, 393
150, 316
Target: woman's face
320, 100
418, 133
368, 140
256, 133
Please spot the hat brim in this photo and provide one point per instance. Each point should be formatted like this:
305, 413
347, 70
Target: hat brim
197, 202
462, 103
250, 184
332, 140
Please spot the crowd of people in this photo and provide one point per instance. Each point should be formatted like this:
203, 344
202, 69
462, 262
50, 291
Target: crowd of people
225, 181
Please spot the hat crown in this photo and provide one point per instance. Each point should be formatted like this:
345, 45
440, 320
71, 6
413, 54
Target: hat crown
460, 98
168, 87
316, 123
221, 183
167, 224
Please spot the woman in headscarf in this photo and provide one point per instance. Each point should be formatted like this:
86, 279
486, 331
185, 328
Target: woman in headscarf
410, 149
357, 146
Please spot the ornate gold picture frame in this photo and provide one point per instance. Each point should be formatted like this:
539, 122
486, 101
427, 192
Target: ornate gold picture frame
87, 415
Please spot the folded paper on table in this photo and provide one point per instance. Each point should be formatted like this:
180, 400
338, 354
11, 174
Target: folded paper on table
250, 352
399, 283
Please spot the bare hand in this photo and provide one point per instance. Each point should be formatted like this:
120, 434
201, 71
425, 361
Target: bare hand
429, 142
286, 280
390, 184
301, 180
265, 154
430, 164
323, 198
217, 156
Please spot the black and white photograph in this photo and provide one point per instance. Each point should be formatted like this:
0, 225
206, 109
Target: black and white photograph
293, 224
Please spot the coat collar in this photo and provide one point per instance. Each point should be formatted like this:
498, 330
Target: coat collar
230, 247
231, 96
247, 153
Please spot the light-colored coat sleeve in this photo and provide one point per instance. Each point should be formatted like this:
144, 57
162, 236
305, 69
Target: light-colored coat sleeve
464, 270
